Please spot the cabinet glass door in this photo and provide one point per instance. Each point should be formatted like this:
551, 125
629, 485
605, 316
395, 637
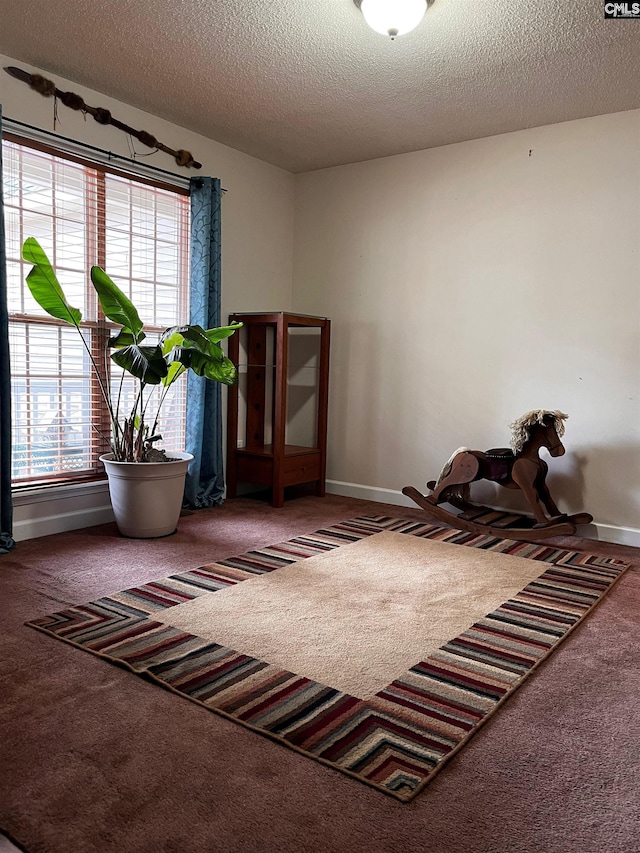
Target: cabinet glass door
302, 386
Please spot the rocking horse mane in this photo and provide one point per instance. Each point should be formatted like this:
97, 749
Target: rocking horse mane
521, 428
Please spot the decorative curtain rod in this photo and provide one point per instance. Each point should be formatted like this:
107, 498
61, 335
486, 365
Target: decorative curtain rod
93, 153
48, 89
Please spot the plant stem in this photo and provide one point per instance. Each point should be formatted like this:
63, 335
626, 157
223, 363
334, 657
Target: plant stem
103, 390
163, 395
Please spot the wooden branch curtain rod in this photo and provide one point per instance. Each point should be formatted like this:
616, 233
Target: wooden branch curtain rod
48, 89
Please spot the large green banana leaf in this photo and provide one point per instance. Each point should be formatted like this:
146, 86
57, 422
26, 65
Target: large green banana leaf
145, 363
196, 336
223, 332
220, 369
124, 339
44, 285
116, 306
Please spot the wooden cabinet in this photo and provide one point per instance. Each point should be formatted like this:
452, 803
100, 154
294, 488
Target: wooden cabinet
277, 414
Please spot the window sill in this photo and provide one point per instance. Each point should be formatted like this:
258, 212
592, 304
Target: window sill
70, 490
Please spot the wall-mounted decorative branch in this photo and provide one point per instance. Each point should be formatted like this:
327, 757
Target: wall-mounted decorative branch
48, 89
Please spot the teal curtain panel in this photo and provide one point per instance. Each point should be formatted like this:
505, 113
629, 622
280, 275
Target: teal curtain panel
205, 478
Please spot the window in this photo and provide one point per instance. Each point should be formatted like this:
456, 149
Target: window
84, 214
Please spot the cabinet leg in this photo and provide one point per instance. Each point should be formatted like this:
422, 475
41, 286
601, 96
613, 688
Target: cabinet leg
277, 497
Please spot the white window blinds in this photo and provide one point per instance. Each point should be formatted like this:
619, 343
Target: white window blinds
83, 214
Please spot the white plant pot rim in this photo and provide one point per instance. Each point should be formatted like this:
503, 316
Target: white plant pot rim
172, 456
147, 470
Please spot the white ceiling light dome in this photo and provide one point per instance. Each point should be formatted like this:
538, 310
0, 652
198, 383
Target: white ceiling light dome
393, 17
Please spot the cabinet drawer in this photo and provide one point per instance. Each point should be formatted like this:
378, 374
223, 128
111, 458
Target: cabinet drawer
301, 469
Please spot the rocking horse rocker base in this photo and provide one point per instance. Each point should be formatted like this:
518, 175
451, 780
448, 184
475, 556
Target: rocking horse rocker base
516, 468
482, 519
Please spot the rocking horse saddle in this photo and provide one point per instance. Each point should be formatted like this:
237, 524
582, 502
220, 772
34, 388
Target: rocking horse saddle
497, 464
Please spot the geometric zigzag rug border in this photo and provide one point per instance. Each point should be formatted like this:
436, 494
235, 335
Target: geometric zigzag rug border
395, 743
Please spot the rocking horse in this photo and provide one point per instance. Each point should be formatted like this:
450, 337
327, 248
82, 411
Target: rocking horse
517, 467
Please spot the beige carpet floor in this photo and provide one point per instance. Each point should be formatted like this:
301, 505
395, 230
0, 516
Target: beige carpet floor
360, 616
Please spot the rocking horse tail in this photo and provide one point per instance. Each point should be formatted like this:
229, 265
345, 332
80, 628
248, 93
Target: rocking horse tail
459, 491
446, 468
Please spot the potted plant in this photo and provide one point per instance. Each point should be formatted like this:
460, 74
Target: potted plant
146, 484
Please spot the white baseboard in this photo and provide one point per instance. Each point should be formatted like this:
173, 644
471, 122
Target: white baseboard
368, 493
600, 532
72, 508
60, 523
56, 510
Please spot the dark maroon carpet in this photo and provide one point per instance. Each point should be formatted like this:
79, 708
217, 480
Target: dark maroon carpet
94, 759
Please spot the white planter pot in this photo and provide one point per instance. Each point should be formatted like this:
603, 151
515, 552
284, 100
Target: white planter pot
147, 496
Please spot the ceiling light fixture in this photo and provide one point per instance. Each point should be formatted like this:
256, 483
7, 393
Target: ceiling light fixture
392, 17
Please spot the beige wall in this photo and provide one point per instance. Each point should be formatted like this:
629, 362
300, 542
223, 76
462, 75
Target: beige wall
467, 284
257, 237
471, 283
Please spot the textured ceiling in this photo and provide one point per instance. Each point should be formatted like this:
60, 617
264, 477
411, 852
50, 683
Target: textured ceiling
306, 84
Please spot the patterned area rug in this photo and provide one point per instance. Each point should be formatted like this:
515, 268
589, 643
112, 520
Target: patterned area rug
394, 735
